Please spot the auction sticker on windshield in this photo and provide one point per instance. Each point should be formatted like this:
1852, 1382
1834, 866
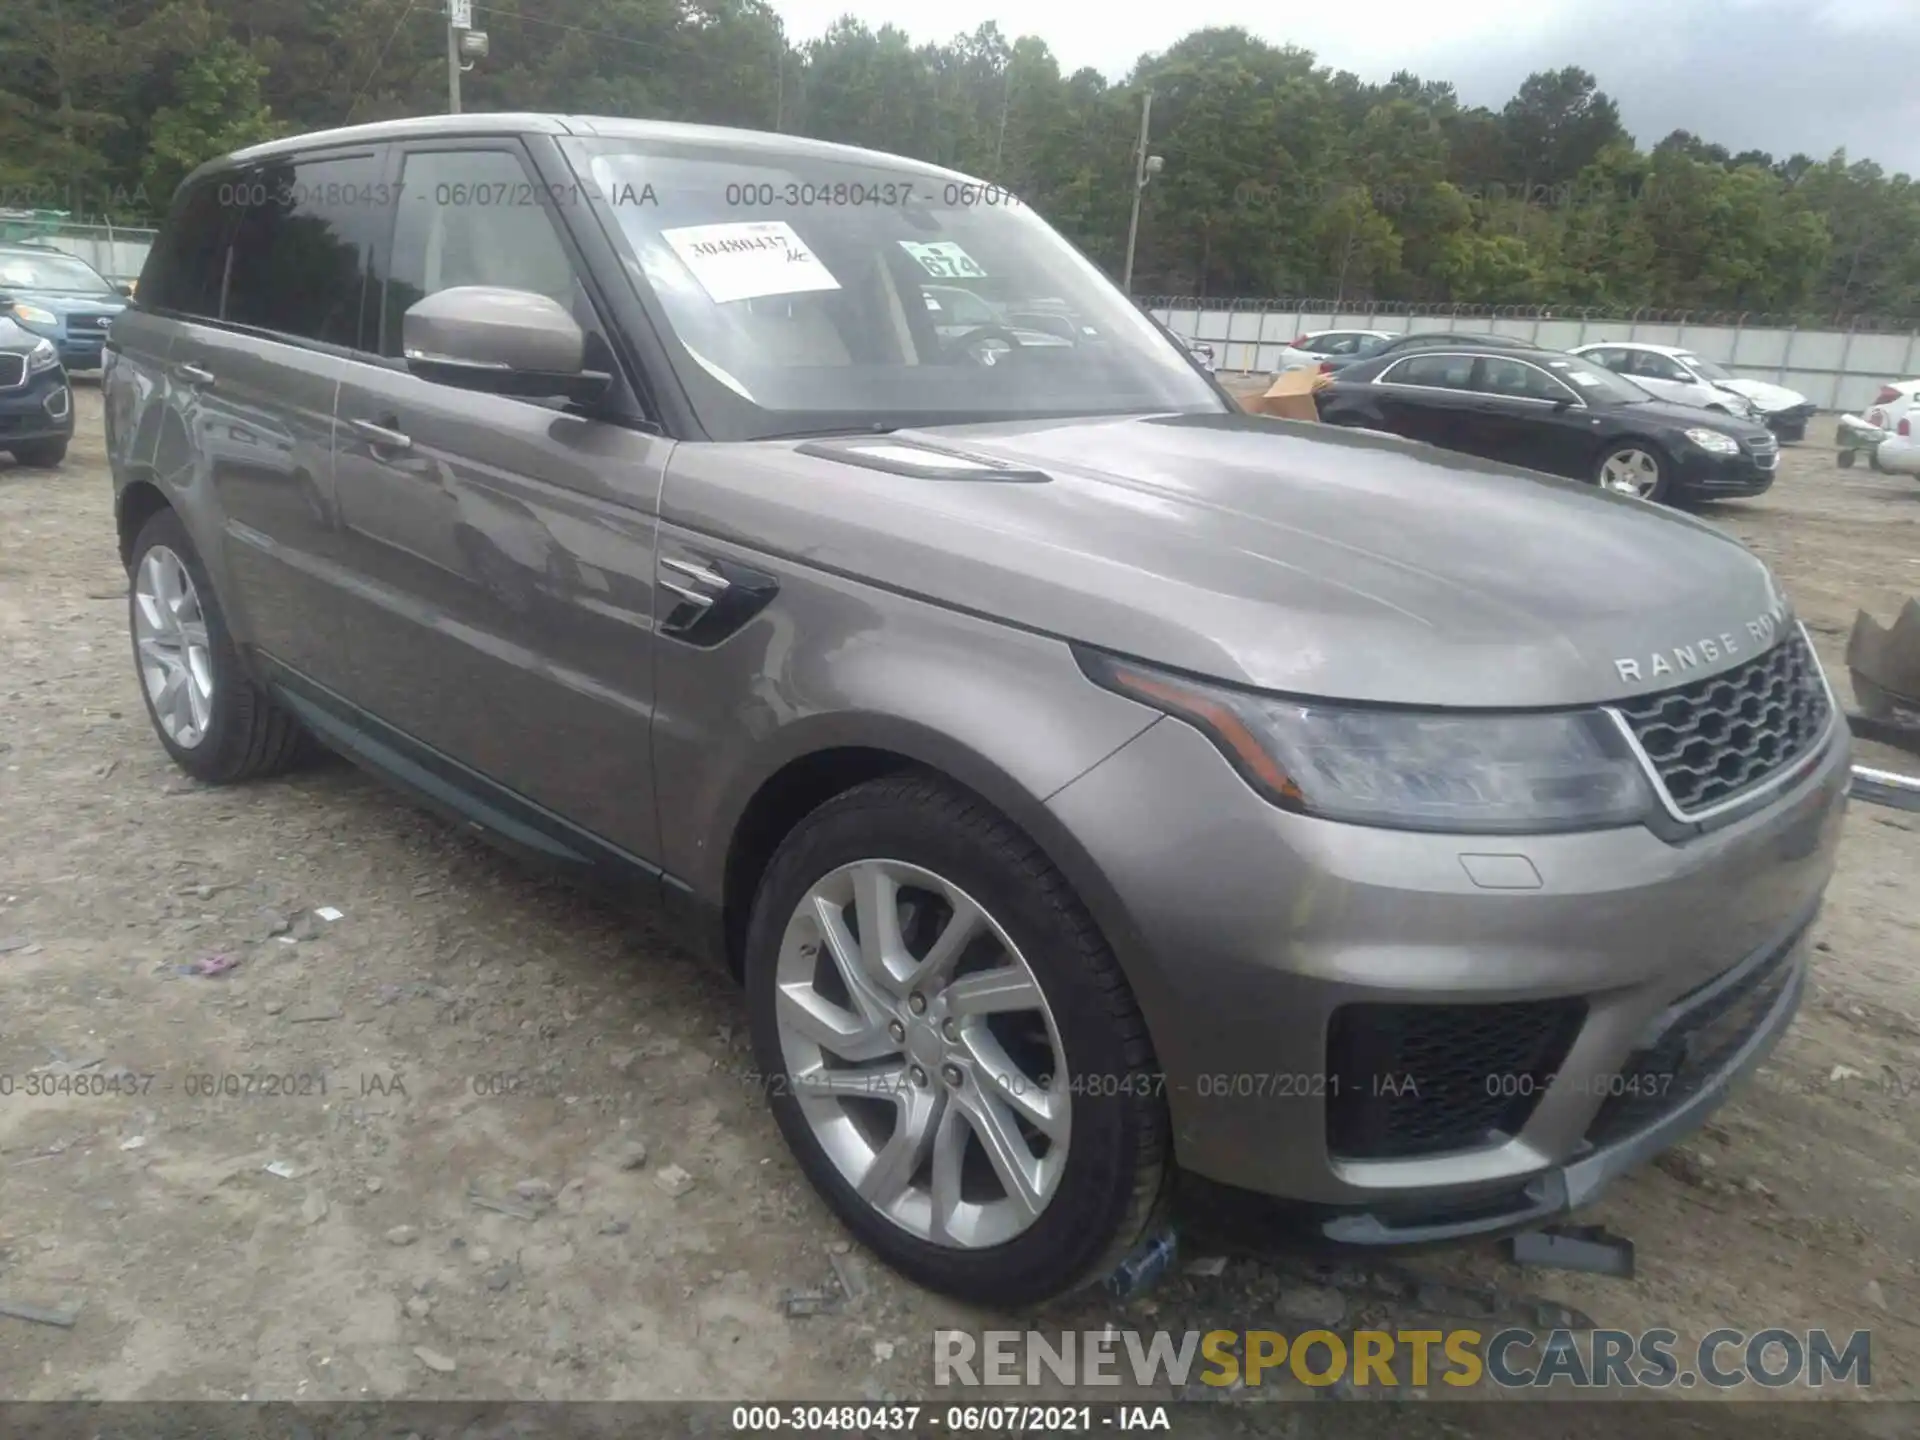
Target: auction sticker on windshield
944, 260
748, 259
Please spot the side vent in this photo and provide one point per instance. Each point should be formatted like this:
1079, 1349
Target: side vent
920, 462
703, 601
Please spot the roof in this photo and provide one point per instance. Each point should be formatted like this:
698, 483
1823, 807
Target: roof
1635, 345
763, 142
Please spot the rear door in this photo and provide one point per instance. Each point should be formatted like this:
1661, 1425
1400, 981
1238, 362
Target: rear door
1430, 397
252, 392
502, 550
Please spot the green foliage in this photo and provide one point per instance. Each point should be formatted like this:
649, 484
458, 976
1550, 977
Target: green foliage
1281, 176
217, 109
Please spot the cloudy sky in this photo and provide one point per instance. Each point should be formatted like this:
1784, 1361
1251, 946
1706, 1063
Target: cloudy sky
1778, 75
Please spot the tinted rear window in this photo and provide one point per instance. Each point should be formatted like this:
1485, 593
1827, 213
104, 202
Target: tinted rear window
188, 260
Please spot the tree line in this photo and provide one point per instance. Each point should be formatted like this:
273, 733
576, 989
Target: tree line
1282, 176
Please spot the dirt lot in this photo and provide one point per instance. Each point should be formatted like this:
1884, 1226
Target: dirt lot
307, 1245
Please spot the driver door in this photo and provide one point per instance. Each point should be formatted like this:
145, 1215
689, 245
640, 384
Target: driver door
501, 550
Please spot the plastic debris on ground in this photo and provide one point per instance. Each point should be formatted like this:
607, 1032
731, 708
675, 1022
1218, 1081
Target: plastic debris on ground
1587, 1248
211, 965
1142, 1269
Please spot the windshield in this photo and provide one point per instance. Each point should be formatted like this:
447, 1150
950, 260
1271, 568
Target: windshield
1706, 368
19, 271
804, 294
1595, 385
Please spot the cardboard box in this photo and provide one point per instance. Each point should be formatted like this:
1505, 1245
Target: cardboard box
1290, 397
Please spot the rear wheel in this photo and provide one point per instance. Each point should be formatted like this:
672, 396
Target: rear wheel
952, 1052
216, 723
1846, 458
1635, 468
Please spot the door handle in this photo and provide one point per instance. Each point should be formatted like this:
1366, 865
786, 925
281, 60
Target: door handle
380, 436
196, 376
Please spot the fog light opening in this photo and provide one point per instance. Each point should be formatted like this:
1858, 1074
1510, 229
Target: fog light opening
56, 403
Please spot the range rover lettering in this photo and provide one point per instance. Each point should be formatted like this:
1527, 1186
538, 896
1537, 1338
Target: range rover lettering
1085, 780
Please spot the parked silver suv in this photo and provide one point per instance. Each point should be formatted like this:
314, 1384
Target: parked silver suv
1085, 779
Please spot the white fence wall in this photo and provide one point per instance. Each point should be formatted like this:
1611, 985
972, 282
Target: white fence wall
1836, 369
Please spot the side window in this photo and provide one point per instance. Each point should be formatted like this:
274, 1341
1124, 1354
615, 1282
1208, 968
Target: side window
1440, 372
306, 228
1519, 380
1657, 367
472, 217
1615, 360
1340, 345
188, 262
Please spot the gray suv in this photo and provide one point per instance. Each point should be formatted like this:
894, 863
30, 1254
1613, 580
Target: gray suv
1085, 779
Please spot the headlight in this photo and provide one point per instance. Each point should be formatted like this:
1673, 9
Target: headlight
1456, 772
42, 357
1714, 442
34, 314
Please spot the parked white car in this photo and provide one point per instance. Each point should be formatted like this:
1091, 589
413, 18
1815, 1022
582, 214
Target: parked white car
1307, 351
1896, 409
1673, 373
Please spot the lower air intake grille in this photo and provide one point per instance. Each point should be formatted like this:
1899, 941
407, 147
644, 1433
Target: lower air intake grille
1409, 1080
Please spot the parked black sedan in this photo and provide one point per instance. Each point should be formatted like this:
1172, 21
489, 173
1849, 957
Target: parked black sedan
1546, 410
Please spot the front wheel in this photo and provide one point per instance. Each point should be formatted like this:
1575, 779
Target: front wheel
41, 454
1635, 468
1846, 459
951, 1050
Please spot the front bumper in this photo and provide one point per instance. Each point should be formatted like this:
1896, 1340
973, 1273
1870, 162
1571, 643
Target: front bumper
1706, 475
1790, 424
41, 409
1271, 923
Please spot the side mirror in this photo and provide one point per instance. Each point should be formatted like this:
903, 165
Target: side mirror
124, 289
504, 342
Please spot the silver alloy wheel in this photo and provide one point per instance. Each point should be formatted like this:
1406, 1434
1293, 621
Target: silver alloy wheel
921, 1051
170, 638
1631, 472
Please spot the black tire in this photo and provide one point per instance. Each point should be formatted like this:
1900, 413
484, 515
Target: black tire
1846, 459
248, 736
41, 454
1662, 488
1118, 1164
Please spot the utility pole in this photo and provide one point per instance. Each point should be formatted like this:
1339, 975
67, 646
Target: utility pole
459, 17
780, 74
1006, 104
1139, 184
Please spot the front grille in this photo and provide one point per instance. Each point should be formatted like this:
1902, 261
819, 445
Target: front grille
13, 371
1697, 1046
88, 324
1409, 1080
1711, 740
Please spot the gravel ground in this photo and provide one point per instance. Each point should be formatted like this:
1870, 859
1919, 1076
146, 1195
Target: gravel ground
484, 1035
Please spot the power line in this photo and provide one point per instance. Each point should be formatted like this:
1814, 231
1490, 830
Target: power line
361, 92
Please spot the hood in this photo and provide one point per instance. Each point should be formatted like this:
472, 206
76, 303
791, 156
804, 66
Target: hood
1680, 413
1288, 557
63, 304
1767, 396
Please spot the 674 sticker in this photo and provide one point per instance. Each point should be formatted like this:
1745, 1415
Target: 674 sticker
944, 260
